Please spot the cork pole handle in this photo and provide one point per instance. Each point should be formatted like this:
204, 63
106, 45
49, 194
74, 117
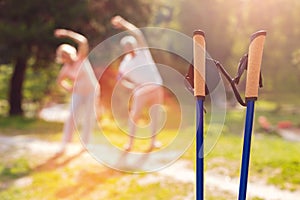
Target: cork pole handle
199, 63
254, 64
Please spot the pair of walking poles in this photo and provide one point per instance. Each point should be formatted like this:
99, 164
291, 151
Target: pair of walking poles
251, 62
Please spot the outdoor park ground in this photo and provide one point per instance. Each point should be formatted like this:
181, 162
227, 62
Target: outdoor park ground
30, 170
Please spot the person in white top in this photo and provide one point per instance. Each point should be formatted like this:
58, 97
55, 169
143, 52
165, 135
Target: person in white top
139, 73
77, 77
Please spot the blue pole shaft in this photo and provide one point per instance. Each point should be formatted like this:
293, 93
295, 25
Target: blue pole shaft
246, 150
199, 151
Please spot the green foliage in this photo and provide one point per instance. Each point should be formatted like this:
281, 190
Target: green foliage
5, 73
39, 87
296, 57
40, 83
229, 24
27, 30
101, 12
26, 35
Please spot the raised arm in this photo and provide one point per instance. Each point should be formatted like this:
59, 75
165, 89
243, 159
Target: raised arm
120, 23
83, 46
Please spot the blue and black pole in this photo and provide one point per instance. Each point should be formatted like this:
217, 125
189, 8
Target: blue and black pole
199, 93
251, 94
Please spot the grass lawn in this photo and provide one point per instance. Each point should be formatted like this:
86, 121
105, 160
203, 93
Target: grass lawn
273, 161
37, 128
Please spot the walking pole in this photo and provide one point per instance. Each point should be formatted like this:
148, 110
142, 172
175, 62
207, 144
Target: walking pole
199, 93
252, 84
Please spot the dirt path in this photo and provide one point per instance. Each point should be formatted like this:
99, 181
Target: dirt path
225, 183
182, 169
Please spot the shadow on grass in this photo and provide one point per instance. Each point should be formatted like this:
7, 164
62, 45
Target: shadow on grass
85, 180
86, 183
57, 161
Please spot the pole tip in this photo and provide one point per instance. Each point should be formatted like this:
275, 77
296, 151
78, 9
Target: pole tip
258, 33
199, 32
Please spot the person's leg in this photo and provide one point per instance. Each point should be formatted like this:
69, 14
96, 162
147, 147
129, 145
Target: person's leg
152, 95
89, 120
137, 105
69, 125
156, 97
69, 128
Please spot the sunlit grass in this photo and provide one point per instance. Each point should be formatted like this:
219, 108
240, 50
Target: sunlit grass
266, 106
118, 136
14, 169
273, 160
31, 127
80, 182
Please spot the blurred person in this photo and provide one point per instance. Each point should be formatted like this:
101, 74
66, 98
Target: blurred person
138, 72
78, 78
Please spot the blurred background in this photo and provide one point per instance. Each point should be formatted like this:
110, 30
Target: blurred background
27, 44
28, 85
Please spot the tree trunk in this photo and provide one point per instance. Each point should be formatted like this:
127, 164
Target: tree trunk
16, 85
